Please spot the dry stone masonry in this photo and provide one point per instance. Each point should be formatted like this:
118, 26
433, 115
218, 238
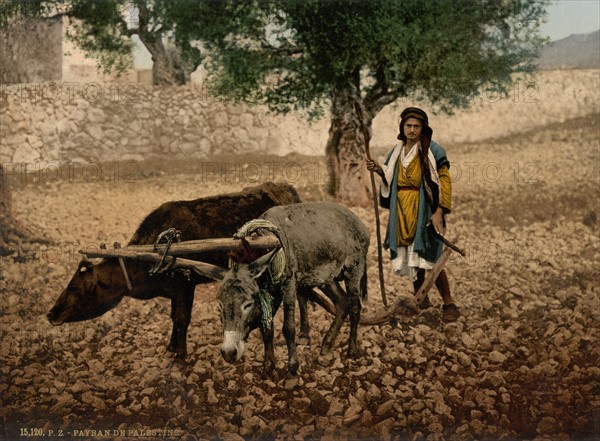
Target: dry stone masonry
90, 121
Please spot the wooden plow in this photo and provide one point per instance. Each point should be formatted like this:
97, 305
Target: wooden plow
170, 255
403, 302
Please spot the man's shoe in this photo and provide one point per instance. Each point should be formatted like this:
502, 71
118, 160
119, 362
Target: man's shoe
450, 313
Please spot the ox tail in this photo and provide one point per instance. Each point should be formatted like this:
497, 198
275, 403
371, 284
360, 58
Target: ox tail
295, 195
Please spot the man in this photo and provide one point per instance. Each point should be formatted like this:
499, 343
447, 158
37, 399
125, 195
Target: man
417, 189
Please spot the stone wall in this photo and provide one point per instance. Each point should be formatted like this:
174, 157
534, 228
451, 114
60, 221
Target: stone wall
109, 122
31, 51
550, 97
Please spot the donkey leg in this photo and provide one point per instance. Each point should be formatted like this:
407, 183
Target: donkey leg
289, 324
304, 336
335, 292
354, 319
269, 363
356, 291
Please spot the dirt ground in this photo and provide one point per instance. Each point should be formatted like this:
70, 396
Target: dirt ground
521, 363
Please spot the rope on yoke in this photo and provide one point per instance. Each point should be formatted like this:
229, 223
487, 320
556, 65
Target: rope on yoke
165, 238
276, 270
263, 227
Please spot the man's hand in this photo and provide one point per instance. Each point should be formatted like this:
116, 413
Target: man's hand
374, 167
437, 220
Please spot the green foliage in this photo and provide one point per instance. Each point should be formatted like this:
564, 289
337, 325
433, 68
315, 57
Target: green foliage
293, 54
103, 28
99, 28
300, 54
10, 9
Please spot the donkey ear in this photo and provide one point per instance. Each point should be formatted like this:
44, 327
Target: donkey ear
259, 266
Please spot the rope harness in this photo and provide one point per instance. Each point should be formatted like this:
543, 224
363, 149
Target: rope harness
167, 238
275, 271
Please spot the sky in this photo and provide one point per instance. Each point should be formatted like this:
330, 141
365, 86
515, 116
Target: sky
565, 17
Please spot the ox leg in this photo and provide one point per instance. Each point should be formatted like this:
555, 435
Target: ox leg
304, 336
289, 324
269, 364
174, 333
181, 313
335, 292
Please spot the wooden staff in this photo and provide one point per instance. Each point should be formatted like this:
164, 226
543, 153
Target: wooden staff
375, 204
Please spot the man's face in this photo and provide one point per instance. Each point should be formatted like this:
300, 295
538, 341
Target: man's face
413, 129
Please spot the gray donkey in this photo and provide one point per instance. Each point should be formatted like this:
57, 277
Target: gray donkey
323, 243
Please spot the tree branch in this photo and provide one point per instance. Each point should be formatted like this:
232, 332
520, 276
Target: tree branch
286, 49
53, 16
380, 95
380, 102
124, 29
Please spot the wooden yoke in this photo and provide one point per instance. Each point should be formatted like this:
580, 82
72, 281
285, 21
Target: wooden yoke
210, 245
153, 253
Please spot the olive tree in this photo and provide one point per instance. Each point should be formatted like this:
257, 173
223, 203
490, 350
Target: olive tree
323, 56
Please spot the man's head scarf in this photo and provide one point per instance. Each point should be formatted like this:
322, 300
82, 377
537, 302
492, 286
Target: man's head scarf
415, 112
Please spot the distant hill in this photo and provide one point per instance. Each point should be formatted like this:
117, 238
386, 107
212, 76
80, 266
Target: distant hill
577, 51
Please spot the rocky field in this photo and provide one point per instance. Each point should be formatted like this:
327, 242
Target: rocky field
521, 363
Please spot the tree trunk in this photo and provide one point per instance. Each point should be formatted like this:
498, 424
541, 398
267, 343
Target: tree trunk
168, 68
349, 179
